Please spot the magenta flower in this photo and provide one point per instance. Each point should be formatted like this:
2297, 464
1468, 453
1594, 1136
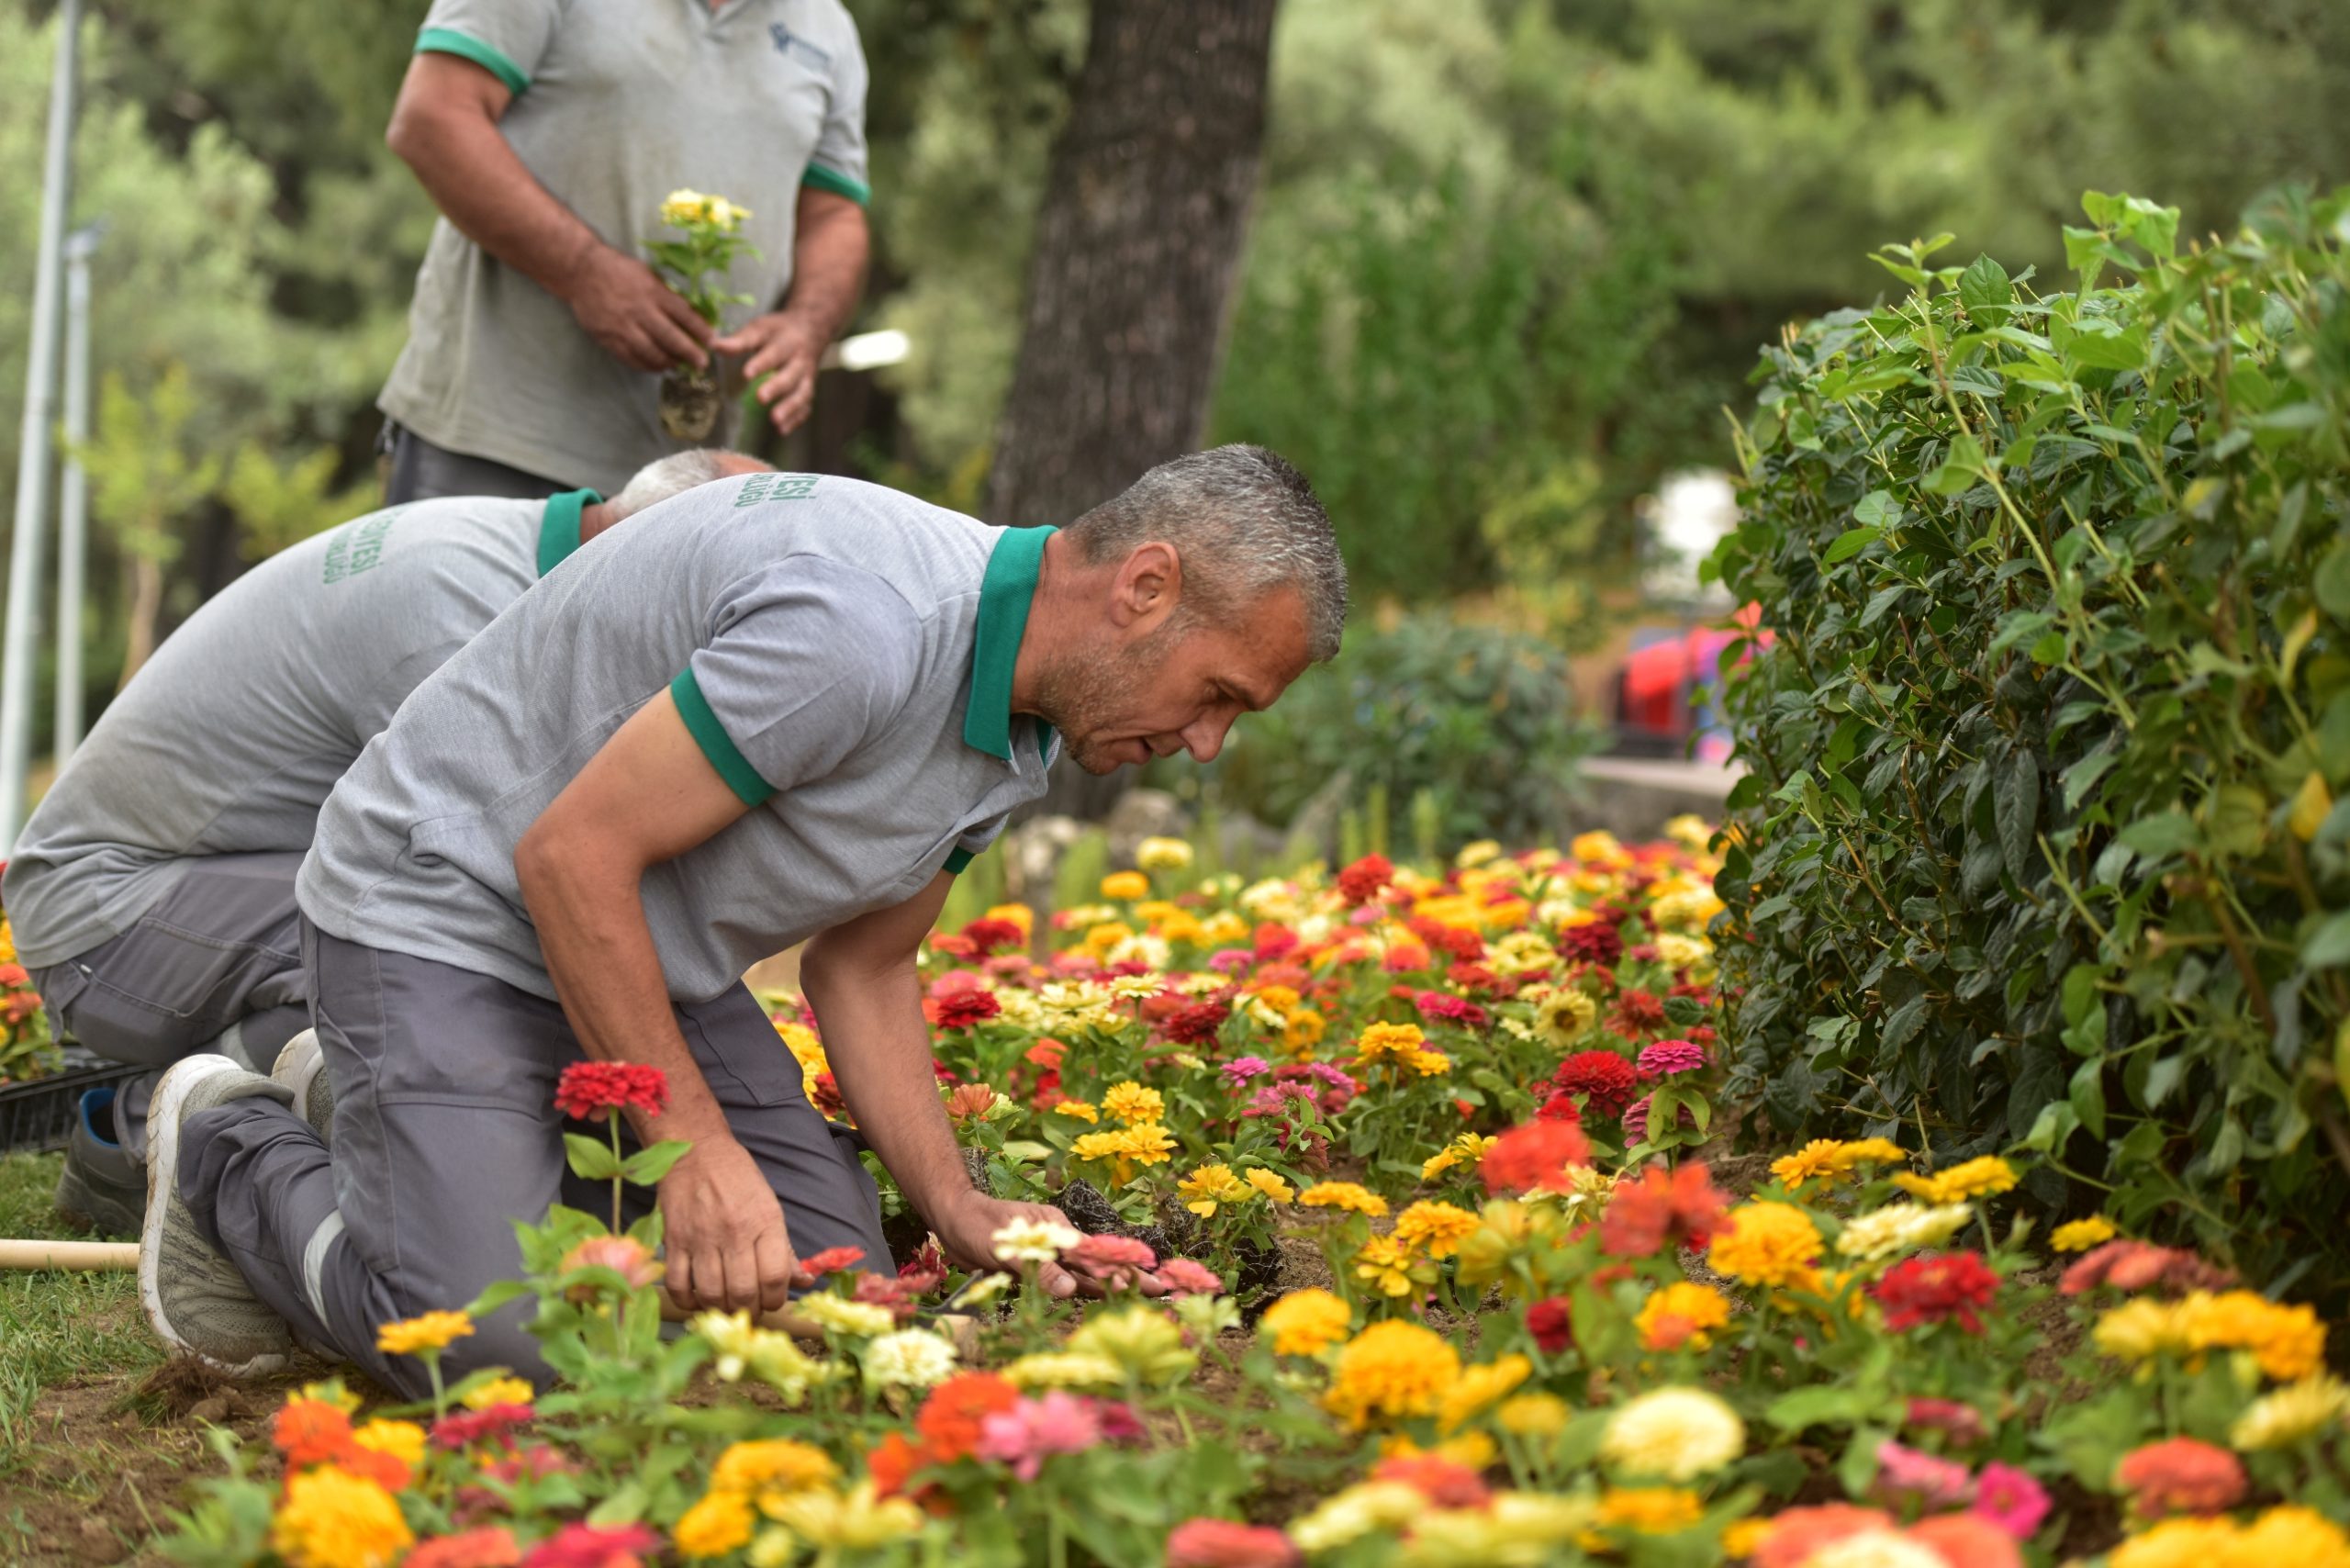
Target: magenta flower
2010, 1499
1336, 1078
1031, 1431
1240, 1071
1666, 1058
1906, 1474
1231, 961
1183, 1277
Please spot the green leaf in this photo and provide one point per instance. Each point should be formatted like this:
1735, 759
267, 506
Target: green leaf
1877, 510
1986, 291
2017, 811
591, 1157
2328, 946
1817, 1406
1848, 543
2165, 833
1902, 1023
648, 1165
2331, 583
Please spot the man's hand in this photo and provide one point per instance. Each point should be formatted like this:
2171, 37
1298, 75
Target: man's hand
639, 319
783, 348
967, 1234
724, 1234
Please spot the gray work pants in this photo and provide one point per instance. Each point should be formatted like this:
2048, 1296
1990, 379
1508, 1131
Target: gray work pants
445, 1133
419, 471
214, 965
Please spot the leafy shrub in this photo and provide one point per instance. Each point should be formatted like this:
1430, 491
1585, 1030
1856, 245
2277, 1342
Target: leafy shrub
2040, 844
1479, 718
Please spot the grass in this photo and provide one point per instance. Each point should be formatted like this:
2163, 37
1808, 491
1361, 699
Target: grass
56, 1325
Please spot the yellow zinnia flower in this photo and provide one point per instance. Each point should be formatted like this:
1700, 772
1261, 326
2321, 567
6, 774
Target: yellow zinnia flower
1970, 1179
1306, 1322
1125, 887
426, 1331
1130, 1104
334, 1519
1349, 1195
1768, 1244
2081, 1234
1391, 1371
1436, 1228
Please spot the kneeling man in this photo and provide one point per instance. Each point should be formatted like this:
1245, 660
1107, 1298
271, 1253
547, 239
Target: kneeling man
152, 891
776, 709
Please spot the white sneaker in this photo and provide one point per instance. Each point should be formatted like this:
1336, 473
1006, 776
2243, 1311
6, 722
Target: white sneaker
301, 1067
193, 1293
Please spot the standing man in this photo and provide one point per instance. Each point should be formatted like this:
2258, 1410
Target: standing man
548, 132
152, 891
779, 708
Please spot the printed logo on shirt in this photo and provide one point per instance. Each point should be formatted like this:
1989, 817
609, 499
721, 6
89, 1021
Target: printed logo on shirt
361, 546
776, 487
787, 43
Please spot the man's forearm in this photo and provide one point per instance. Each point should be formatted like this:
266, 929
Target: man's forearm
879, 1048
607, 973
473, 174
828, 258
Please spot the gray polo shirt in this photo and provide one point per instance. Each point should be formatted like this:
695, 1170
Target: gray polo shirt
229, 739
843, 654
617, 102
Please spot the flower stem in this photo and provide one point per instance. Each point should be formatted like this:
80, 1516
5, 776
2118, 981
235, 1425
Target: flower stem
612, 1121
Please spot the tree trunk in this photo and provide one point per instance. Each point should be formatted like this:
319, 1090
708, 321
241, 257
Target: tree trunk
146, 609
1145, 200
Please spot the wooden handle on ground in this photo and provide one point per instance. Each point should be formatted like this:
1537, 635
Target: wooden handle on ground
112, 1256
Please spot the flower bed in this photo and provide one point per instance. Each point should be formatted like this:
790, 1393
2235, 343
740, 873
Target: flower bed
1425, 1261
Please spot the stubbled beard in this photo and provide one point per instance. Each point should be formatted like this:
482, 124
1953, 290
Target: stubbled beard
1081, 696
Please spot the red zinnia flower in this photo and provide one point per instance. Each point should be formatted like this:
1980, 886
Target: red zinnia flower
2134, 1265
1558, 1108
1606, 1080
1637, 1013
1453, 939
1273, 941
2180, 1475
493, 1424
962, 1009
1534, 1157
1934, 1290
489, 1547
1548, 1321
592, 1089
1450, 1009
1196, 1024
1360, 882
1643, 1216
1596, 941
833, 1260
894, 1459
987, 935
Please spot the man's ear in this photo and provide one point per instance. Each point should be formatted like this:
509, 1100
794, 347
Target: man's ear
1149, 586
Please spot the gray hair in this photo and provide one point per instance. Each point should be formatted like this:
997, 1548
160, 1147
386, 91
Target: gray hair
670, 475
1244, 523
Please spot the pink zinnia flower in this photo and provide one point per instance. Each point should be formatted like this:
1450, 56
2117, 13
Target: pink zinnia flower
585, 1546
623, 1255
1905, 1475
1232, 960
2180, 1475
1183, 1277
1026, 1435
1113, 1252
1962, 1423
2010, 1499
1666, 1058
1223, 1543
1242, 1069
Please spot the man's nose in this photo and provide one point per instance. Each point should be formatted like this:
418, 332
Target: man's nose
1205, 737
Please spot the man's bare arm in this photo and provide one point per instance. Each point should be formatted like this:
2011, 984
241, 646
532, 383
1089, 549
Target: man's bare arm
861, 979
647, 797
829, 251
445, 128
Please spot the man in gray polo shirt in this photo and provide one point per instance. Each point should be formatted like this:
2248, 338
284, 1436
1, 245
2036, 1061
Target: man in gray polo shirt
548, 132
152, 891
792, 711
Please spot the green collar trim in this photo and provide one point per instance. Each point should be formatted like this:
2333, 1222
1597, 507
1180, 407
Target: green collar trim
559, 527
1005, 596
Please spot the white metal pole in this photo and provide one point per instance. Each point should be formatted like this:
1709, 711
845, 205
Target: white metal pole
20, 640
73, 492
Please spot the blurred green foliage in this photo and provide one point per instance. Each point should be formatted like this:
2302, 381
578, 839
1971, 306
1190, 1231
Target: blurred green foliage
1468, 728
1510, 258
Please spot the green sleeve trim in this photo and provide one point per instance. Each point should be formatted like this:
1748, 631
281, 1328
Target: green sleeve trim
559, 527
833, 180
957, 861
448, 41
715, 743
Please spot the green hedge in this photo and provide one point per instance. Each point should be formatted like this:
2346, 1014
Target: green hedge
2040, 845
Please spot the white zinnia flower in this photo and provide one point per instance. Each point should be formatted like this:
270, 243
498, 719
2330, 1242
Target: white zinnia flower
1901, 1227
1033, 1241
909, 1358
1675, 1434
